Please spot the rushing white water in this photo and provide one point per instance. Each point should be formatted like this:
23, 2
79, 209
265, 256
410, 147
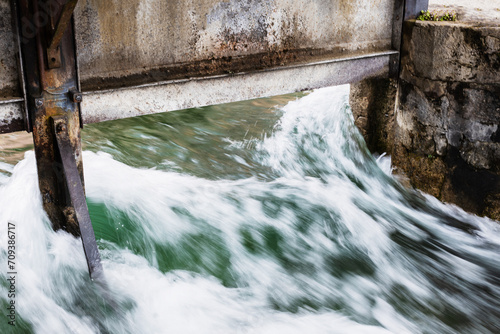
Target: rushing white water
321, 239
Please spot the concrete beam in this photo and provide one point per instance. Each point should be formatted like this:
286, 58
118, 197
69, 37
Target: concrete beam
172, 95
182, 94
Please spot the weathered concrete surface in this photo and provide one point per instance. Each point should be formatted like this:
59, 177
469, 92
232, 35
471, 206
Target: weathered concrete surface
9, 84
373, 102
447, 131
11, 116
123, 42
478, 11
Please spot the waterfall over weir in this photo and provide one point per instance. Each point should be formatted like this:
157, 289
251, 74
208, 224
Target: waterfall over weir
248, 218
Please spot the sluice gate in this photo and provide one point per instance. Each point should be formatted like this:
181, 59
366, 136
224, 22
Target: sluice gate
64, 63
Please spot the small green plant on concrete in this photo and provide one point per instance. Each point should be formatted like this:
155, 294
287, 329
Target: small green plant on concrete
449, 17
426, 15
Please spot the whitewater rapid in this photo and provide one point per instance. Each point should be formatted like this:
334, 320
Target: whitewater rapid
314, 236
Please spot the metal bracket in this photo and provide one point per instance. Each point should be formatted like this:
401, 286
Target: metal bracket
54, 58
53, 49
77, 196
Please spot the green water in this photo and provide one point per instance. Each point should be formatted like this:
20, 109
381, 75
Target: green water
197, 142
194, 141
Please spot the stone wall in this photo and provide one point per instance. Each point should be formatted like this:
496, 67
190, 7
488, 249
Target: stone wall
372, 103
447, 125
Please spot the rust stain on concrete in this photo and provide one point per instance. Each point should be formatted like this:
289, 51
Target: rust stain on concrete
9, 84
132, 38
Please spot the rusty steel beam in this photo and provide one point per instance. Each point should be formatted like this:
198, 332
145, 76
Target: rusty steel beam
47, 96
52, 98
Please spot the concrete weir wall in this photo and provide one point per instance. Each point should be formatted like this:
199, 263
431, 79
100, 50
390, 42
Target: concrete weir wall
127, 38
445, 134
145, 56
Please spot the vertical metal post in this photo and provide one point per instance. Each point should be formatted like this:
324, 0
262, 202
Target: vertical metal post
397, 31
48, 57
413, 8
403, 10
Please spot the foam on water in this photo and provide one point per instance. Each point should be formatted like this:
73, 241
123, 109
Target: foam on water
323, 240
